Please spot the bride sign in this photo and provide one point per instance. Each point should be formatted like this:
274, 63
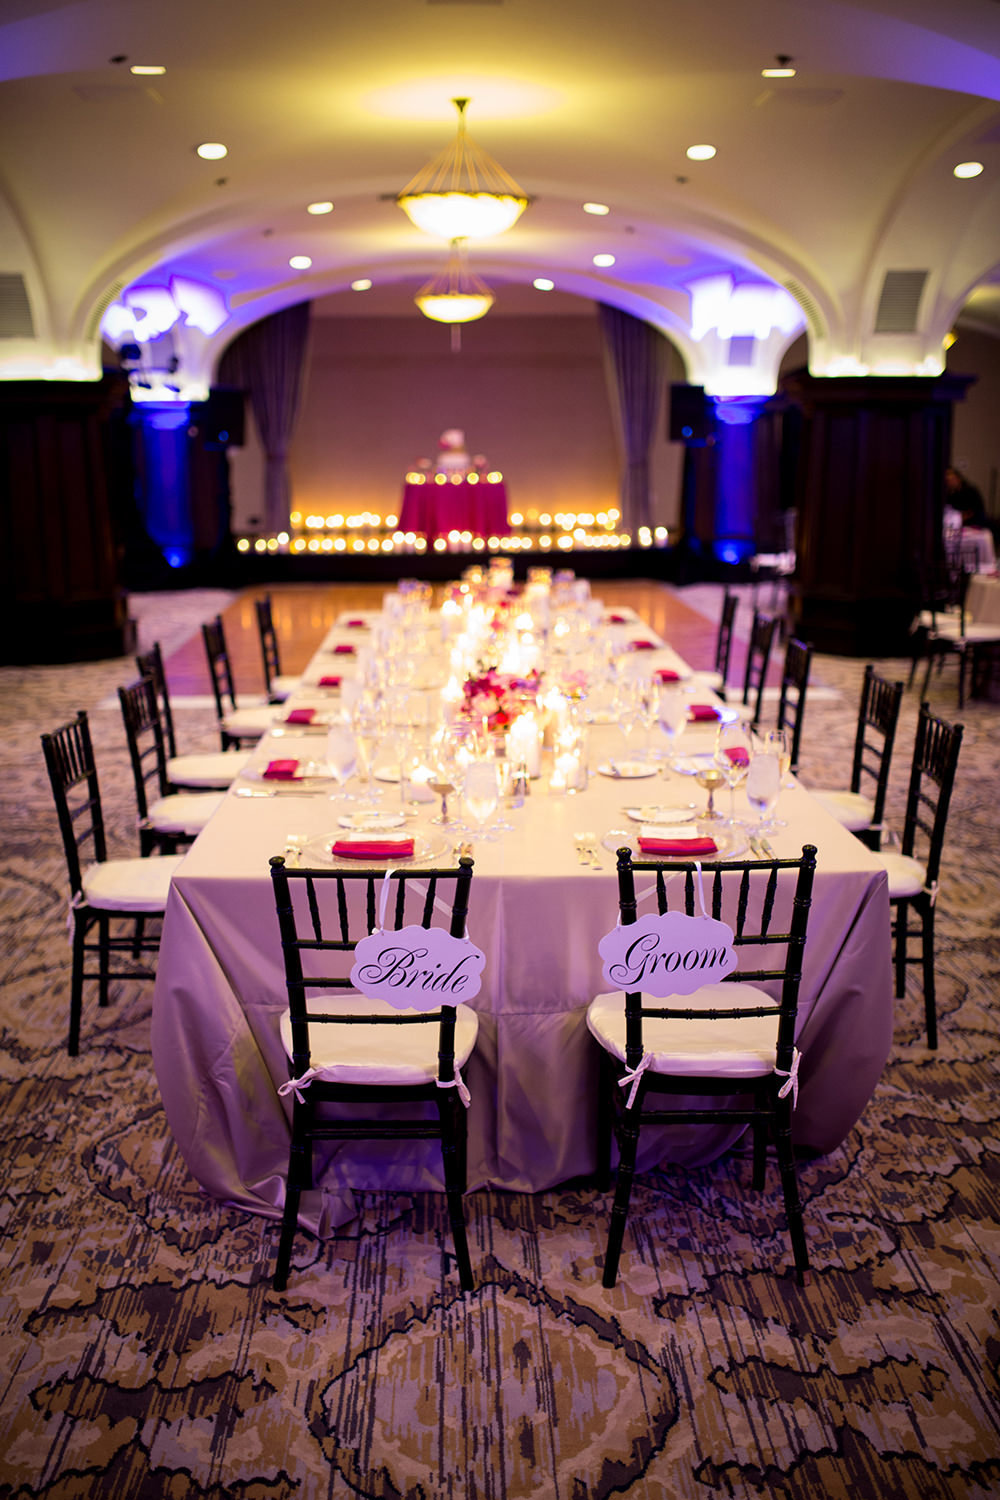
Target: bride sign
672, 954
418, 968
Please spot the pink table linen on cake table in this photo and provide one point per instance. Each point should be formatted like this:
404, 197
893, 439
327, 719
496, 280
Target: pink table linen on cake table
435, 509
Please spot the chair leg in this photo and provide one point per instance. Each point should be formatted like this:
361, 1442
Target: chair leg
961, 679
628, 1145
103, 959
759, 1155
790, 1190
902, 920
605, 1120
930, 998
76, 985
453, 1128
299, 1177
137, 937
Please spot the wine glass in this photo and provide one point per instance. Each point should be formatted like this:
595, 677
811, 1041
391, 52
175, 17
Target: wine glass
445, 774
732, 755
672, 712
480, 794
764, 787
341, 756
367, 723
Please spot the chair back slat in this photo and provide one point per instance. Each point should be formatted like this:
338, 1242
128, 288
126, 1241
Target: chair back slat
792, 696
69, 760
219, 668
150, 664
762, 635
724, 639
146, 747
932, 779
268, 642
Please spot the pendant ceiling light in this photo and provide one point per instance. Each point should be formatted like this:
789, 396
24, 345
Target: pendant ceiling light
456, 296
463, 193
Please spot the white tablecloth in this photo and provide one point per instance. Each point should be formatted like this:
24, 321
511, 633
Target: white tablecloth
538, 916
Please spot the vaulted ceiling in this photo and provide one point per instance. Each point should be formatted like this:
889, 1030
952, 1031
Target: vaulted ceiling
826, 184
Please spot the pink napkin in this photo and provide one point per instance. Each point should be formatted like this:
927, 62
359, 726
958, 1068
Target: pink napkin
642, 645
332, 681
355, 625
373, 848
281, 770
700, 711
738, 755
301, 716
343, 650
667, 674
617, 619
678, 846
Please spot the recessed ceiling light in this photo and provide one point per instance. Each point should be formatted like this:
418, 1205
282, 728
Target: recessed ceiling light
701, 153
781, 70
968, 169
143, 70
300, 262
543, 284
361, 285
319, 208
212, 150
604, 260
596, 208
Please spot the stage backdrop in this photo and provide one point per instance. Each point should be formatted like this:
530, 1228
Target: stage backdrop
530, 392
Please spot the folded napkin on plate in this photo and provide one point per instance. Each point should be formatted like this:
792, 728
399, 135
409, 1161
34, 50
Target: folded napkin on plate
330, 681
372, 848
738, 755
281, 770
617, 619
667, 674
355, 624
642, 646
343, 649
684, 848
301, 716
700, 711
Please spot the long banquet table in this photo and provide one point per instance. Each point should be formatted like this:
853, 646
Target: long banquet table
537, 914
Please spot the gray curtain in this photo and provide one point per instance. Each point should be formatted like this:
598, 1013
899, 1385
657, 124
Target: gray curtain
267, 361
639, 357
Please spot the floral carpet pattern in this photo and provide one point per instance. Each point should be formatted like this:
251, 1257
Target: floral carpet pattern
145, 1353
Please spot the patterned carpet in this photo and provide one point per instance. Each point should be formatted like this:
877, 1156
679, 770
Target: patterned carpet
146, 1355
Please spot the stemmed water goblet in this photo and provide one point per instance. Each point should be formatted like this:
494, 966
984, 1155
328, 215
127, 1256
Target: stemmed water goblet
732, 756
480, 795
341, 756
764, 787
672, 712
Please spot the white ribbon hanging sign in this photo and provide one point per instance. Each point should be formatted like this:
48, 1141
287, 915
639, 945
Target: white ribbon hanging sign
418, 968
672, 954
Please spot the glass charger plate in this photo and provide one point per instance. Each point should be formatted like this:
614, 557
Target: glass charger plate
731, 843
373, 821
626, 770
427, 850
685, 812
690, 765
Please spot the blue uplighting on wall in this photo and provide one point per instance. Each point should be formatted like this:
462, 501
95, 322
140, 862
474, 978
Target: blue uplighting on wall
164, 499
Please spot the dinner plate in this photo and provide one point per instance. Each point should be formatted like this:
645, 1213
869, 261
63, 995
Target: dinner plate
690, 765
374, 820
427, 850
627, 770
731, 843
657, 813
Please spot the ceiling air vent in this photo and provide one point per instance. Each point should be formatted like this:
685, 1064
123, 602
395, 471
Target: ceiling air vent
808, 306
16, 321
900, 302
741, 349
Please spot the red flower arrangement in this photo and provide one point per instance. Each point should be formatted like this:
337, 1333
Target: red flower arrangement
498, 697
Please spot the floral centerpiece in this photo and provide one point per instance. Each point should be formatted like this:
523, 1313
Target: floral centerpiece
498, 697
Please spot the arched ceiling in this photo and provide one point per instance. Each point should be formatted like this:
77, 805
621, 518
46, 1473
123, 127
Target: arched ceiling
822, 183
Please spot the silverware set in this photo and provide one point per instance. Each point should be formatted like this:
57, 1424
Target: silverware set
761, 848
586, 850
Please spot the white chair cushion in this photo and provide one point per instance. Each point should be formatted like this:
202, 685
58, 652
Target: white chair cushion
218, 769
140, 885
742, 1048
850, 809
249, 721
185, 812
283, 687
395, 1055
907, 876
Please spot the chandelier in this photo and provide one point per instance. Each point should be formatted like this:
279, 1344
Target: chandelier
456, 295
463, 193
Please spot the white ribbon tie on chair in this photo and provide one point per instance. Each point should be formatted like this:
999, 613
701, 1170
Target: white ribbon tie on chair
635, 1078
791, 1077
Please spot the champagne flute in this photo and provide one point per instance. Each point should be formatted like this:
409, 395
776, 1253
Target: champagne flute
672, 712
480, 794
779, 742
367, 731
732, 756
764, 787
